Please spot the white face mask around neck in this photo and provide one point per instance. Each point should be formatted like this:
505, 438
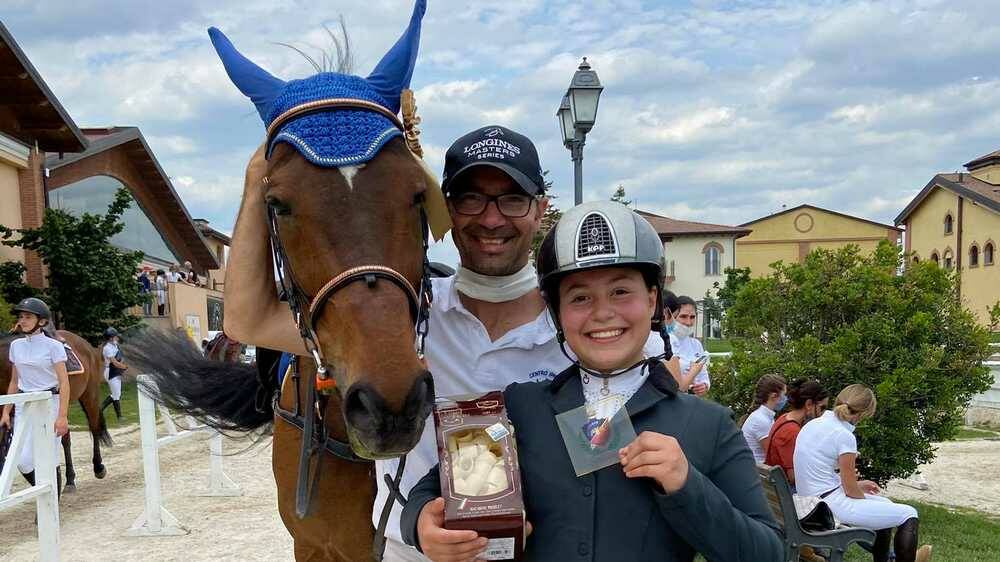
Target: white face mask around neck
682, 330
496, 289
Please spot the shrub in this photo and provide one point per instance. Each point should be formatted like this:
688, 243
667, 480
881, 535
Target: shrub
843, 317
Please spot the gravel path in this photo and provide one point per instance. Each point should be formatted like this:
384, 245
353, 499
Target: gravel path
964, 474
93, 520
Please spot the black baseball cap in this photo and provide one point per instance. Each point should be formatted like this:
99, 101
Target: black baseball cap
499, 147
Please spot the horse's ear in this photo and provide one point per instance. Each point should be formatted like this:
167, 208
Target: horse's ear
392, 74
255, 82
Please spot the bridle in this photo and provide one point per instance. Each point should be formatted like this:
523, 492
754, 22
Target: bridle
307, 310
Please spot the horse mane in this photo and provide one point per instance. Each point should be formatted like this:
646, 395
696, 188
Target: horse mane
337, 58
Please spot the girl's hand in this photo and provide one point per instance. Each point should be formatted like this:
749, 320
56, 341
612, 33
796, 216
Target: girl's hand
444, 545
62, 426
657, 456
869, 487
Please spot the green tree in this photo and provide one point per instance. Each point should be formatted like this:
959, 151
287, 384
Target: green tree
549, 218
6, 318
12, 285
843, 317
619, 196
91, 282
720, 297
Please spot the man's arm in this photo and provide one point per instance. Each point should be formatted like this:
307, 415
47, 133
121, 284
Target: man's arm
253, 312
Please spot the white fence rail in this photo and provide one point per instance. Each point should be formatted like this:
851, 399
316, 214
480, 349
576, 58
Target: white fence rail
155, 519
34, 415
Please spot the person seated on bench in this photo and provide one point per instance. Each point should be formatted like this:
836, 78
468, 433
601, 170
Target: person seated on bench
770, 398
808, 399
828, 444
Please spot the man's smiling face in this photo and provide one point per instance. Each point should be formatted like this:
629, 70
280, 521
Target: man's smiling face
490, 243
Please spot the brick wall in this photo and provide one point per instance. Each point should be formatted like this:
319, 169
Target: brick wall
33, 211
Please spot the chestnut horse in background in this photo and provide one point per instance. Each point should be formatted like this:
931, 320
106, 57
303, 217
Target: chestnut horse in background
350, 245
85, 389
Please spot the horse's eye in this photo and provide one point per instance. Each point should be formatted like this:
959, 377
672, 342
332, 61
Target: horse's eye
278, 206
419, 198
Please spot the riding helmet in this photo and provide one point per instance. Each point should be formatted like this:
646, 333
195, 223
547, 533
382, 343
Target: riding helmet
33, 306
110, 333
599, 234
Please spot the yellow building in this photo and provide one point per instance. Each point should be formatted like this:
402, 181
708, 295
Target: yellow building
790, 235
955, 222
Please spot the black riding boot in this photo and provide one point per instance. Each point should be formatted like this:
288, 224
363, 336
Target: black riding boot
906, 540
118, 408
58, 483
880, 550
107, 402
30, 477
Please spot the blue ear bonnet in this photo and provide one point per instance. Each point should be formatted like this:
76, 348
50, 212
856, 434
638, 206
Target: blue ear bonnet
341, 137
333, 137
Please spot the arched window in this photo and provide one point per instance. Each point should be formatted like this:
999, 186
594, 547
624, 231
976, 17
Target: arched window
935, 258
713, 258
988, 253
948, 262
948, 223
974, 255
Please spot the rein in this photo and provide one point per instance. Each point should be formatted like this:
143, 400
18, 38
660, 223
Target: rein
306, 311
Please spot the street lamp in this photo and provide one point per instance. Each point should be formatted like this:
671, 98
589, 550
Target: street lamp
577, 114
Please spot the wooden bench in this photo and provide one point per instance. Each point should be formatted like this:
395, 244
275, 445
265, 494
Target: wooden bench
832, 544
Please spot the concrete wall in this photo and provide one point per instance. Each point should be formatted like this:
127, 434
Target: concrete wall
688, 256
217, 277
989, 173
790, 236
187, 308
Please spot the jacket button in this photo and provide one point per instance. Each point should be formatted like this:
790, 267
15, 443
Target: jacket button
588, 491
583, 549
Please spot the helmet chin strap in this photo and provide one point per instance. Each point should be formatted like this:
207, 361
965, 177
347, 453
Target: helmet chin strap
598, 374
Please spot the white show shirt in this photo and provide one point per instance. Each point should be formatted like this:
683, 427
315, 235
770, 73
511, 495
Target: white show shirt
687, 350
756, 427
35, 357
817, 453
463, 360
109, 352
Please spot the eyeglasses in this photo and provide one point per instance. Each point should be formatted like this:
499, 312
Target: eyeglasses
510, 205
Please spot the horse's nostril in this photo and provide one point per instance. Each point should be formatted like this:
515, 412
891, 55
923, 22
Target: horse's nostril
422, 392
361, 407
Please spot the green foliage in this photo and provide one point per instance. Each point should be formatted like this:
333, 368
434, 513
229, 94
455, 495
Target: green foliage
725, 294
6, 318
12, 285
842, 317
91, 282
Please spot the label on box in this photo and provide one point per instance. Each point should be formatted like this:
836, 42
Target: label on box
497, 431
499, 549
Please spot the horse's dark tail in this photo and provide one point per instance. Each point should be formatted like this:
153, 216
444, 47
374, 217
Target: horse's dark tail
226, 396
100, 433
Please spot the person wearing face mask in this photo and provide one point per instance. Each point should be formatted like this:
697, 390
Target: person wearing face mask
600, 270
694, 376
825, 456
771, 398
808, 399
670, 304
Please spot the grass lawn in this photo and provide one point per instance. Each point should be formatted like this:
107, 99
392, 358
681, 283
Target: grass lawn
130, 409
965, 433
718, 346
957, 535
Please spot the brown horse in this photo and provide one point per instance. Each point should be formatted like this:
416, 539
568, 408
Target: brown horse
85, 389
350, 243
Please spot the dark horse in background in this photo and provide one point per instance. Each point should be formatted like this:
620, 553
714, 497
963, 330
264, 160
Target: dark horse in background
84, 389
349, 237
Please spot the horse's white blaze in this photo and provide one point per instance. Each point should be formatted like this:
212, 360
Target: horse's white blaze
349, 172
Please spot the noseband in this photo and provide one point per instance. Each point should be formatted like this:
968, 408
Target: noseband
307, 310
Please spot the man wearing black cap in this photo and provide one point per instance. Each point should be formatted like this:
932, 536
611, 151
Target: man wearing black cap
489, 327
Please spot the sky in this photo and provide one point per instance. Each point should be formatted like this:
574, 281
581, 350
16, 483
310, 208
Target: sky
712, 111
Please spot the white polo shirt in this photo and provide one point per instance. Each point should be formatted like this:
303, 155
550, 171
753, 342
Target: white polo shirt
35, 357
109, 352
687, 350
817, 453
463, 360
757, 427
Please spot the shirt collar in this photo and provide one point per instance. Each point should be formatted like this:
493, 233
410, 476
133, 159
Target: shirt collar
833, 416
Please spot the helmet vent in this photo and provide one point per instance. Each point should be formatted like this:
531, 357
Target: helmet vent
595, 239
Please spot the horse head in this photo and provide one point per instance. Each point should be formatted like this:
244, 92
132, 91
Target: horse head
347, 212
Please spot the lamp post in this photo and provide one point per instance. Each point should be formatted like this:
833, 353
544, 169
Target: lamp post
577, 114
